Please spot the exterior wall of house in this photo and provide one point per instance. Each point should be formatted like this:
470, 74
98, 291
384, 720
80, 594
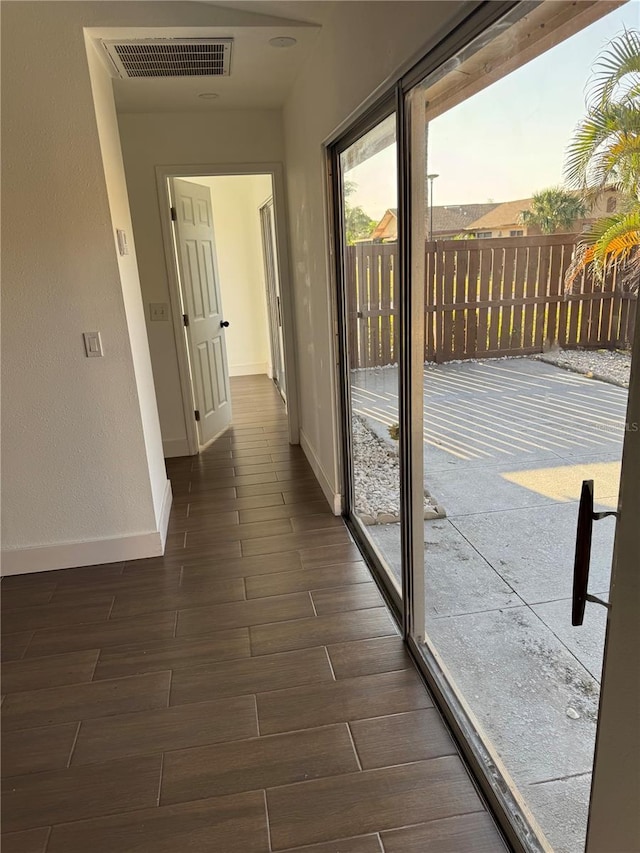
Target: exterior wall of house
217, 138
236, 201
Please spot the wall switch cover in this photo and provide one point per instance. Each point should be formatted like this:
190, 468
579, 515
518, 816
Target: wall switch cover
158, 311
123, 246
92, 344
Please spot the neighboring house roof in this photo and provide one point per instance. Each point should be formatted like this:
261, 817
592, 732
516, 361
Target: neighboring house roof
456, 217
447, 219
387, 228
502, 215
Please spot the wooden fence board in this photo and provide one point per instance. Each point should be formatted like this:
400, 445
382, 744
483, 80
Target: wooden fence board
385, 305
351, 305
555, 289
485, 298
530, 290
517, 321
483, 292
448, 291
495, 290
472, 296
460, 297
509, 269
542, 292
430, 301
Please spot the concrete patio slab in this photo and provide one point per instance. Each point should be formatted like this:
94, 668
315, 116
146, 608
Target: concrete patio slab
521, 681
586, 642
533, 549
457, 579
565, 806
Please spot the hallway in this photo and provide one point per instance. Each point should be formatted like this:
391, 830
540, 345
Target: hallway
245, 693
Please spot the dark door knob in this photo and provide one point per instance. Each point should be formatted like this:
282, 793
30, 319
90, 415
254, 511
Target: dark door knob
224, 323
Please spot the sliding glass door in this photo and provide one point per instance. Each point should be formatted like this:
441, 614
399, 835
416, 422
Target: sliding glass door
486, 368
367, 171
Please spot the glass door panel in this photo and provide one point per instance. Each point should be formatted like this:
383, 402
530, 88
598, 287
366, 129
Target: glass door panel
524, 389
369, 236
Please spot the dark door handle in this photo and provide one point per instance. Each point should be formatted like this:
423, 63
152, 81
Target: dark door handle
586, 517
224, 324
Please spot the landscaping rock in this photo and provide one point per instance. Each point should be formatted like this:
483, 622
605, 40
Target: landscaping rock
377, 477
611, 366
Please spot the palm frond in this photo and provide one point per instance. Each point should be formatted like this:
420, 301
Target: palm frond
619, 62
613, 239
588, 158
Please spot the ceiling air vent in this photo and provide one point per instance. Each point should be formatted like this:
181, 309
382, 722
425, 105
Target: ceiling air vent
170, 57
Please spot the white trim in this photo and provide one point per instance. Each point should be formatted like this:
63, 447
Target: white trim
165, 512
175, 447
250, 369
333, 498
276, 171
69, 555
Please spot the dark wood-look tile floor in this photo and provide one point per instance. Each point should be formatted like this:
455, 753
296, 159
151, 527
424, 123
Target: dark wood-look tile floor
245, 693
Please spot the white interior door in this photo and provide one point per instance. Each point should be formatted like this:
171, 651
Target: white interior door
202, 306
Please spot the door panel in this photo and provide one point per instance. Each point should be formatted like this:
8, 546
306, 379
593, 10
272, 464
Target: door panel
507, 434
200, 290
367, 173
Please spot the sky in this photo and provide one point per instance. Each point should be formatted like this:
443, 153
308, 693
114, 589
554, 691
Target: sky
508, 141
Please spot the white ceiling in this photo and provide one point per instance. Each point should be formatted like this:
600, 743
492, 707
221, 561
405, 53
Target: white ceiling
261, 75
310, 11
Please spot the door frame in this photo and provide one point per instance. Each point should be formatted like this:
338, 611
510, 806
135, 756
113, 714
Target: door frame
276, 172
274, 309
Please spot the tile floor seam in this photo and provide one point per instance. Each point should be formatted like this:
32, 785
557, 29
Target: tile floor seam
113, 604
73, 745
26, 648
160, 780
353, 744
333, 672
255, 708
266, 814
313, 604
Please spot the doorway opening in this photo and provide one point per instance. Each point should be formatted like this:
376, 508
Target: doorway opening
228, 283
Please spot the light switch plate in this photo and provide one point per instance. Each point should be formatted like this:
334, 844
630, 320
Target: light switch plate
158, 311
92, 344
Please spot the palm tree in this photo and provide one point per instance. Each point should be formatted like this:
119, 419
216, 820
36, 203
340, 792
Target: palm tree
605, 153
553, 210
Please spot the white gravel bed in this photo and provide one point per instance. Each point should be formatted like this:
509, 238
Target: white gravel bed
608, 365
376, 471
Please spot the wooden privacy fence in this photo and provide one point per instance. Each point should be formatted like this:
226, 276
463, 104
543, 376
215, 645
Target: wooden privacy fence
485, 298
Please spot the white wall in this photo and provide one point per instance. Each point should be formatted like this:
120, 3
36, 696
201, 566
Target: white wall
358, 48
236, 200
109, 137
150, 140
82, 478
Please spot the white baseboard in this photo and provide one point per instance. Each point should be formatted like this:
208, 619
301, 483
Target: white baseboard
68, 555
334, 500
248, 369
175, 447
165, 512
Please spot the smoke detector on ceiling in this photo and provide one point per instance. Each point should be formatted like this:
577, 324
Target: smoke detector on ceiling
170, 57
